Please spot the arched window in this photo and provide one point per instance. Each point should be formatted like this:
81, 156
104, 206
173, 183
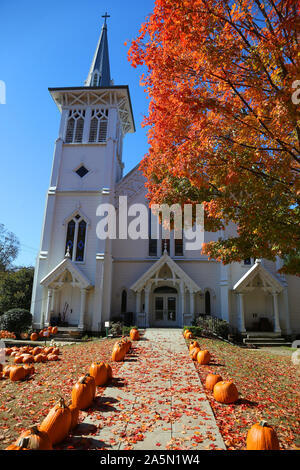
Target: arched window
74, 131
98, 127
207, 303
76, 238
124, 302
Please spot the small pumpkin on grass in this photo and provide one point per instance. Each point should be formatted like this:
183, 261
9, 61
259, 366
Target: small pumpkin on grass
57, 422
261, 436
225, 392
34, 337
211, 380
203, 357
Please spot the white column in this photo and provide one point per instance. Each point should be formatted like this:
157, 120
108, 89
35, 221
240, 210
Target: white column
286, 311
277, 328
192, 303
48, 308
147, 304
182, 294
138, 302
53, 298
82, 308
242, 313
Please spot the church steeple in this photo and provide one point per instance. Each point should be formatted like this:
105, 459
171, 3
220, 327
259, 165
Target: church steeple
99, 74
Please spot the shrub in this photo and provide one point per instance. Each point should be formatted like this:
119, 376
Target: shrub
213, 325
16, 320
126, 330
195, 330
116, 328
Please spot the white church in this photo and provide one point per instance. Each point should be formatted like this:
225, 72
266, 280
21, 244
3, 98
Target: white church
86, 281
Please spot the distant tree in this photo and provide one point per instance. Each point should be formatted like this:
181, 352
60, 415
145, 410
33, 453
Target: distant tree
16, 289
9, 248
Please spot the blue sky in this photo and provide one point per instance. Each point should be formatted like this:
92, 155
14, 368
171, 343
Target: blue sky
51, 44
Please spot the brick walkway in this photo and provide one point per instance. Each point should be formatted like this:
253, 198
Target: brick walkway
156, 403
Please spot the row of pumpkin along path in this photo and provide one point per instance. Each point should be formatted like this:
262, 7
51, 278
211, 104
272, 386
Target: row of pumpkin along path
63, 418
261, 436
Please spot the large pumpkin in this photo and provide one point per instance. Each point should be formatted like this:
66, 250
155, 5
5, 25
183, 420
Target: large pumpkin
81, 394
34, 439
17, 373
74, 415
109, 371
225, 392
211, 380
99, 372
58, 422
261, 436
118, 352
203, 357
134, 334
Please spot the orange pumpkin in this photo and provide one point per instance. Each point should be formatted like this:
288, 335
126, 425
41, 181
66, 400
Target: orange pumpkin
36, 351
74, 415
34, 439
99, 372
34, 336
225, 392
118, 352
81, 394
58, 422
194, 353
134, 334
8, 351
18, 359
189, 335
211, 380
92, 385
261, 436
109, 371
194, 344
38, 358
203, 357
17, 373
52, 357
54, 330
28, 358
186, 332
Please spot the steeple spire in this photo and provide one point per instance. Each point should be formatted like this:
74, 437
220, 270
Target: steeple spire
99, 74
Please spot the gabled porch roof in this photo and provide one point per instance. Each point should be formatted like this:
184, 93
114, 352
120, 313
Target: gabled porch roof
66, 265
177, 274
269, 282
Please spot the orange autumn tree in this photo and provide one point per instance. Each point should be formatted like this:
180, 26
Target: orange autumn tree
223, 119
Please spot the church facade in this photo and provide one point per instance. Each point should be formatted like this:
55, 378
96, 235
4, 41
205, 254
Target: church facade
85, 280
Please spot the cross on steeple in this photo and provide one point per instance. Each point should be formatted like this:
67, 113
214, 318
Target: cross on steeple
105, 16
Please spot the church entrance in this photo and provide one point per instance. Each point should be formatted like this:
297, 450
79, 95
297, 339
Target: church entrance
164, 306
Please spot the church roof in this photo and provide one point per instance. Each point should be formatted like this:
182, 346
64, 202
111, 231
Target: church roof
178, 274
268, 281
100, 64
78, 278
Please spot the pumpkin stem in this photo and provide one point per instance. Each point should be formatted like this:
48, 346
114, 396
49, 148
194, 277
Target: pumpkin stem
62, 402
23, 443
263, 423
34, 429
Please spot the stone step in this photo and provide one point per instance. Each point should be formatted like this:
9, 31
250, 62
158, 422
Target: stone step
264, 340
